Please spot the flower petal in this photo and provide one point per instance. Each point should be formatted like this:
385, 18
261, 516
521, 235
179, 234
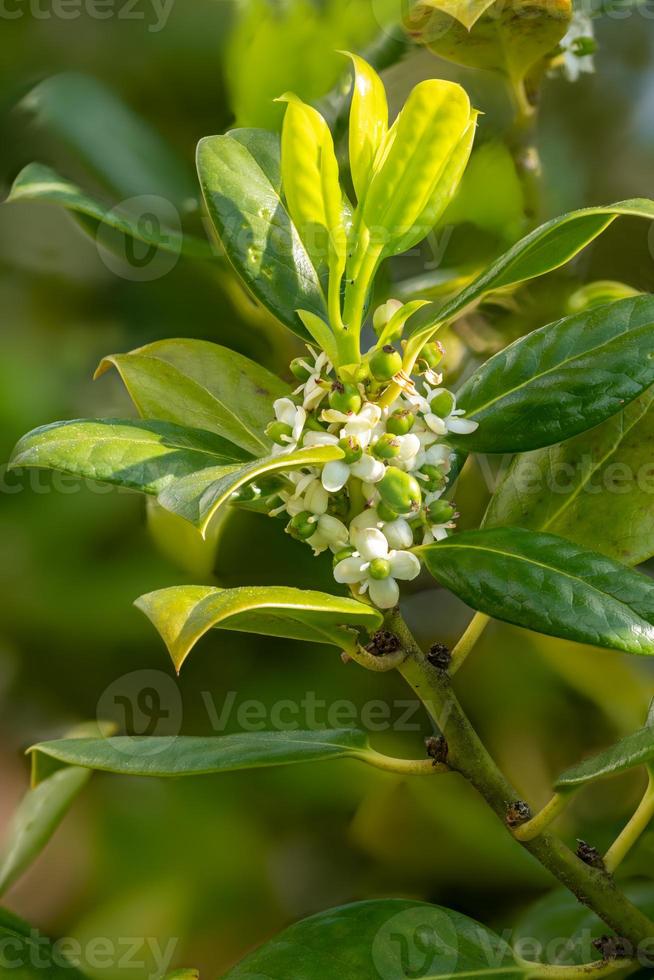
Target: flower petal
333, 531
348, 571
372, 544
462, 427
404, 565
316, 499
409, 446
368, 469
398, 533
285, 411
335, 475
320, 439
436, 424
385, 593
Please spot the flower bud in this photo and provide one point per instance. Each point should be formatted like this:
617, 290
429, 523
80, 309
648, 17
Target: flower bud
400, 491
352, 451
442, 404
385, 363
401, 422
343, 554
386, 447
435, 478
432, 354
385, 313
440, 512
276, 432
344, 398
299, 369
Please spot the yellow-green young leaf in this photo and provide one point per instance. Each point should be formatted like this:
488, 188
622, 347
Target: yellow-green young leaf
419, 166
368, 122
310, 180
198, 496
510, 37
321, 333
183, 614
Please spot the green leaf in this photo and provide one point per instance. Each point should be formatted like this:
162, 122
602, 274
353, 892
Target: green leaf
115, 143
36, 819
142, 455
506, 37
31, 955
633, 750
549, 585
241, 182
543, 250
595, 489
321, 333
197, 496
186, 755
201, 385
562, 379
392, 939
39, 183
183, 614
368, 122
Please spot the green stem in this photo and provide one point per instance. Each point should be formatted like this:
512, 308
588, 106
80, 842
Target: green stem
535, 827
403, 767
468, 641
356, 292
636, 826
468, 755
601, 968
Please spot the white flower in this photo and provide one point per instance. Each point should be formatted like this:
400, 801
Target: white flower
295, 417
311, 497
398, 533
337, 472
452, 422
312, 390
376, 569
362, 424
437, 532
410, 448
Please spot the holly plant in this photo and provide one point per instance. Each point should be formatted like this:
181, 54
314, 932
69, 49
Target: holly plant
358, 458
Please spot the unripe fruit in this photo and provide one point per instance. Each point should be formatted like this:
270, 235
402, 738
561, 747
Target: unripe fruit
277, 430
442, 404
400, 491
385, 363
344, 398
352, 450
401, 422
436, 479
343, 554
302, 526
299, 369
386, 447
380, 568
440, 512
432, 354
385, 512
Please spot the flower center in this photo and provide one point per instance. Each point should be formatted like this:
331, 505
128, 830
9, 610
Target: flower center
380, 568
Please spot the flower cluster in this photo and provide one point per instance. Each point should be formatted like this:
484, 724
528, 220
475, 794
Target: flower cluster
386, 494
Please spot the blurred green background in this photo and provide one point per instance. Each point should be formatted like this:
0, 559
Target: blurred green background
221, 864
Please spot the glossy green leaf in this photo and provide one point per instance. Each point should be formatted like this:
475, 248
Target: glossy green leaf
562, 379
562, 928
241, 182
633, 750
187, 755
202, 385
368, 122
546, 248
197, 496
310, 180
38, 815
389, 938
27, 955
142, 455
119, 146
421, 163
549, 585
506, 37
39, 183
595, 489
183, 614
183, 975
320, 333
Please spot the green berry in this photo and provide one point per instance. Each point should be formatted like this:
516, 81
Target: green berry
277, 430
386, 447
442, 404
440, 512
436, 479
352, 450
342, 555
302, 526
299, 369
380, 568
401, 422
385, 363
344, 398
385, 512
432, 354
400, 491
